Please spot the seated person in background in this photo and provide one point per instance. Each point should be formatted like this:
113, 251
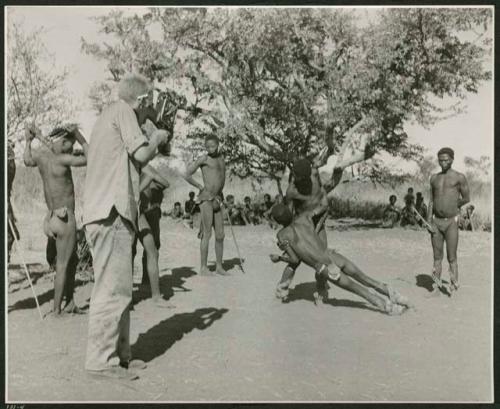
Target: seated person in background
235, 212
192, 210
249, 212
409, 197
421, 208
466, 219
190, 206
176, 212
391, 213
408, 217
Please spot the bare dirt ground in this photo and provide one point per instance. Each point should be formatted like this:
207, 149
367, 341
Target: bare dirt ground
229, 339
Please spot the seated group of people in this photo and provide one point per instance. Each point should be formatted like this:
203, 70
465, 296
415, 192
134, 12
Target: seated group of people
250, 212
415, 207
412, 214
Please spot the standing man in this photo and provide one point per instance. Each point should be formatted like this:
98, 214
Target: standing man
54, 163
213, 169
152, 184
117, 151
12, 232
449, 192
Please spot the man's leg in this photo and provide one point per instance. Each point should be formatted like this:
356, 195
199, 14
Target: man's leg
65, 231
109, 323
219, 242
321, 293
343, 281
51, 252
437, 240
451, 238
69, 290
152, 270
352, 271
282, 289
207, 220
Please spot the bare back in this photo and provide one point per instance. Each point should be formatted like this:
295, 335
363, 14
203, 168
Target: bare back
305, 242
446, 190
213, 170
57, 180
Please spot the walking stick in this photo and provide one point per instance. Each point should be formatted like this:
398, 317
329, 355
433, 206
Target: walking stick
422, 219
25, 268
234, 239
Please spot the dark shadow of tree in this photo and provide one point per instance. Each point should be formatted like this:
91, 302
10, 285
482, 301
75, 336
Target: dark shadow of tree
160, 338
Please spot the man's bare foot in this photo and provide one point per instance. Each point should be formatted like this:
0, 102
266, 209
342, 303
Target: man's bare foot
72, 308
162, 303
55, 314
320, 296
220, 270
397, 298
393, 309
204, 271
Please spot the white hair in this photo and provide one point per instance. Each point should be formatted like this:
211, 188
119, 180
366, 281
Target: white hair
133, 85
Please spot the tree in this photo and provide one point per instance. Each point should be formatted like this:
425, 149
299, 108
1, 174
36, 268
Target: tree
478, 168
276, 84
36, 89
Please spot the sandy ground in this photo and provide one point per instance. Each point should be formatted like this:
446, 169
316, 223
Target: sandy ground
229, 339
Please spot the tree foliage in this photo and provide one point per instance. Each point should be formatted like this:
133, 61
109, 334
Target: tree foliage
36, 89
280, 83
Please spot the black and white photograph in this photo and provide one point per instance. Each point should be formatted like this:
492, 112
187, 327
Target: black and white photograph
262, 204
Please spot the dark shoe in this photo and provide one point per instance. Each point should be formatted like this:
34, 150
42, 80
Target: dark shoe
134, 364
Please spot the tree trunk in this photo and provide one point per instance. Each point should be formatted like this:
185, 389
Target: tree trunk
278, 183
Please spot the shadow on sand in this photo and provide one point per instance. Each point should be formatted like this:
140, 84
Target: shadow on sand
160, 338
304, 291
28, 303
426, 281
167, 284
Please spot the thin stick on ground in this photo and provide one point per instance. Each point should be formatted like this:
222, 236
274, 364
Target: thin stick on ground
234, 238
25, 268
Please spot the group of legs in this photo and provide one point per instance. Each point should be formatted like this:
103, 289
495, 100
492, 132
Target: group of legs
339, 271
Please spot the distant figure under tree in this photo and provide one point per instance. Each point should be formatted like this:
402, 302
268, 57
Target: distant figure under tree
391, 213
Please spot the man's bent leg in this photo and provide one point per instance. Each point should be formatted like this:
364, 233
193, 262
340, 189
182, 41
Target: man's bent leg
351, 270
109, 322
343, 281
283, 286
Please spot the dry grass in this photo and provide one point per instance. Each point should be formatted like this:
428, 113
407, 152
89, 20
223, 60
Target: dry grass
361, 200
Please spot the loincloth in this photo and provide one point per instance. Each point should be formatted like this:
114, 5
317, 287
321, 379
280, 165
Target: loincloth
62, 213
444, 223
216, 200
